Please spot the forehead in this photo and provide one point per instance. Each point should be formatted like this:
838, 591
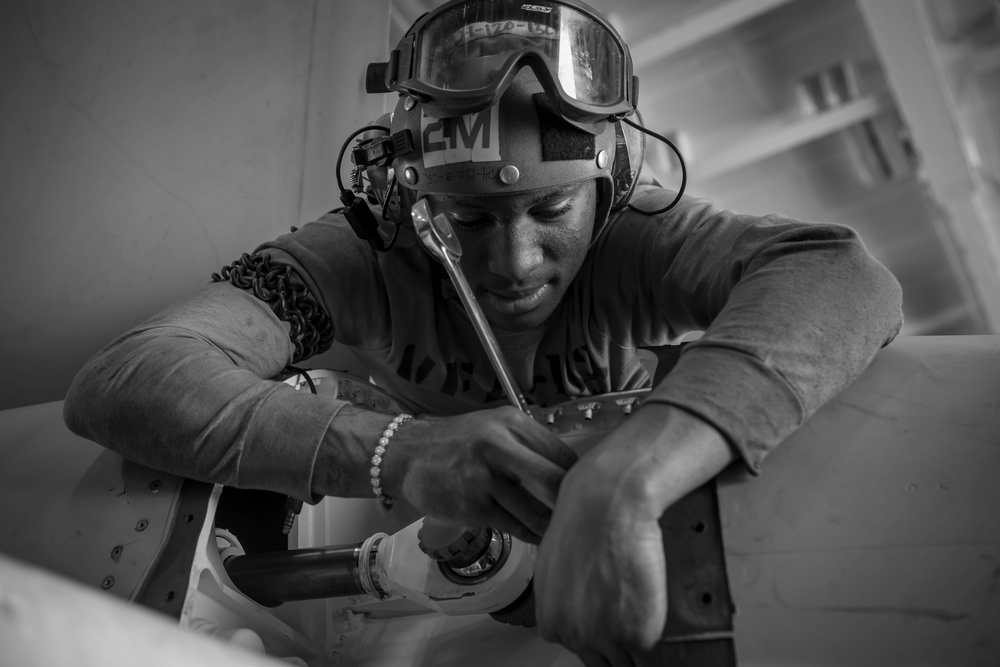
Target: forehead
512, 200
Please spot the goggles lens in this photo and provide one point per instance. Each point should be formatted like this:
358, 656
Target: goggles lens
473, 46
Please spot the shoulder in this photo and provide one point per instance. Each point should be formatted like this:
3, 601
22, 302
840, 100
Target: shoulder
700, 218
328, 239
642, 226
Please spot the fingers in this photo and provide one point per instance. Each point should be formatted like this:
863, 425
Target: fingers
496, 466
539, 439
537, 475
506, 522
544, 492
593, 659
558, 452
613, 657
532, 460
530, 516
606, 656
619, 657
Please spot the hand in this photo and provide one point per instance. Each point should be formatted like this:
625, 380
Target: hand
496, 468
600, 580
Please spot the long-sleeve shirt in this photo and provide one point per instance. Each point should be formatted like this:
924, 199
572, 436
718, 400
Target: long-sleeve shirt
791, 312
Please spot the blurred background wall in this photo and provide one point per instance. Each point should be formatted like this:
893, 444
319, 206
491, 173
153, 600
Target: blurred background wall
879, 114
144, 144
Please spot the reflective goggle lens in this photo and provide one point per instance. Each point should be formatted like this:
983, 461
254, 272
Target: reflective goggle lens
472, 46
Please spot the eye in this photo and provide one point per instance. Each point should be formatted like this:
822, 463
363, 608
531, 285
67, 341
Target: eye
552, 214
467, 221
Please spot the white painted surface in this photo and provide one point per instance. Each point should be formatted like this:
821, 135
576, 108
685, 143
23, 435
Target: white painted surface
870, 538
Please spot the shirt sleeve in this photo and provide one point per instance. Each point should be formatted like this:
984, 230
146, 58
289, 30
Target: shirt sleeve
792, 312
189, 392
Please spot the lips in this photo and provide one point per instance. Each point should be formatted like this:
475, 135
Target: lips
515, 302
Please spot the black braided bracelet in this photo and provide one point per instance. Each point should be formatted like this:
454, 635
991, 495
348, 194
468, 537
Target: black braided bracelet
312, 329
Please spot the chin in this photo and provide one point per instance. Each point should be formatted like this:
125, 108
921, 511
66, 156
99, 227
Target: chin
513, 319
518, 324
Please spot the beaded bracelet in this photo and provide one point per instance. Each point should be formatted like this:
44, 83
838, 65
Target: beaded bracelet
383, 442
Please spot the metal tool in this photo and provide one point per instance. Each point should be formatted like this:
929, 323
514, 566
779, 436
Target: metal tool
439, 239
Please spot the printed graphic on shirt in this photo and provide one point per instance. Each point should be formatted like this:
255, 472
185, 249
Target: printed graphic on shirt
459, 376
557, 377
474, 137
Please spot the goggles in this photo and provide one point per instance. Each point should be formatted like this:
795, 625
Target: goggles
460, 57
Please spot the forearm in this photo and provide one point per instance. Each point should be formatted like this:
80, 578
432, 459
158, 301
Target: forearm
805, 312
656, 457
343, 460
188, 392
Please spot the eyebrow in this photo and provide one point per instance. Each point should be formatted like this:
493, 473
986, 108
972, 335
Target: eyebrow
477, 202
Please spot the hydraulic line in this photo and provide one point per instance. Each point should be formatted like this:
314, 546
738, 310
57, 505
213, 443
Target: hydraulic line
301, 574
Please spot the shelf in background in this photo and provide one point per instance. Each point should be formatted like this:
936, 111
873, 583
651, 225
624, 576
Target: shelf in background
717, 157
967, 64
986, 60
972, 51
698, 28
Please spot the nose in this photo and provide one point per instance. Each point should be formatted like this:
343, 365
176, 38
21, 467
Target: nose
515, 251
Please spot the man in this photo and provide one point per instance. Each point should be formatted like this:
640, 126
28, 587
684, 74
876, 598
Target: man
576, 265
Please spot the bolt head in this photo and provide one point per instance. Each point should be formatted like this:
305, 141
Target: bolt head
509, 175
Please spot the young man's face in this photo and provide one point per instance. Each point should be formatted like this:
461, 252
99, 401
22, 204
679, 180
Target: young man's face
520, 252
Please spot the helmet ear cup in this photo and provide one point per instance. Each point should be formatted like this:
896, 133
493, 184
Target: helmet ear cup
403, 199
385, 190
381, 176
630, 150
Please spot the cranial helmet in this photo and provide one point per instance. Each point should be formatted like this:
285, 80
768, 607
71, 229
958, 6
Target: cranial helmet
518, 145
498, 97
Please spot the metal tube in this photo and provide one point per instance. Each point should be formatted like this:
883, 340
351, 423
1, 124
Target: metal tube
440, 241
485, 333
300, 574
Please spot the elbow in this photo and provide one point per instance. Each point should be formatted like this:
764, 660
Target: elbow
887, 297
880, 297
71, 407
81, 405
103, 391
895, 291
